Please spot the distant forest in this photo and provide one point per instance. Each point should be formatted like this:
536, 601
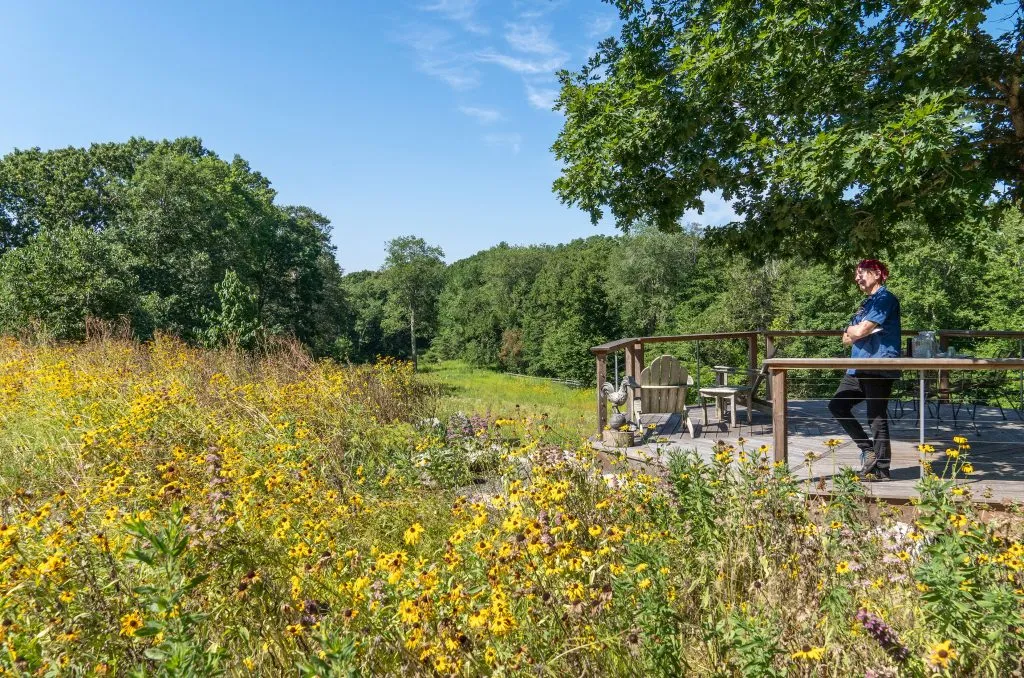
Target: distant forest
168, 237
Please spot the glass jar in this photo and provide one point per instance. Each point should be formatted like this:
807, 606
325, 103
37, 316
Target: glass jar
924, 345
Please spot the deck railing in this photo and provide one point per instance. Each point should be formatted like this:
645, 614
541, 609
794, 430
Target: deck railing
633, 347
778, 369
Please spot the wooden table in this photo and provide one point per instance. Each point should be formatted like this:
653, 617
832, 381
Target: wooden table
721, 392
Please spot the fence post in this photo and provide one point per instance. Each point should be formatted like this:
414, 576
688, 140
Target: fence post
697, 351
602, 410
752, 359
634, 366
638, 356
779, 415
769, 352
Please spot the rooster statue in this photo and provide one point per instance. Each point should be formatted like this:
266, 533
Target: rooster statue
618, 398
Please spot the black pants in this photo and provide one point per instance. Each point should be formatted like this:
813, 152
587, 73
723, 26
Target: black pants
875, 389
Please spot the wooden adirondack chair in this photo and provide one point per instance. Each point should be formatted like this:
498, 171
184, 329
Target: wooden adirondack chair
663, 386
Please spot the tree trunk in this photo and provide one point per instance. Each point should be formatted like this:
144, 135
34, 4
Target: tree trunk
412, 336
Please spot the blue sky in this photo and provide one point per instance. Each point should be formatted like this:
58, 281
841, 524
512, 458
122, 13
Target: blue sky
425, 117
428, 117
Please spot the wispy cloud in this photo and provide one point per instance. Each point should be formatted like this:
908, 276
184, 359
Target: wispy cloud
462, 12
533, 9
453, 74
529, 50
541, 97
437, 56
520, 65
485, 116
532, 54
511, 142
600, 26
530, 38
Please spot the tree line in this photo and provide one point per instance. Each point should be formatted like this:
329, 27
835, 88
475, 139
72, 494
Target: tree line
175, 239
538, 309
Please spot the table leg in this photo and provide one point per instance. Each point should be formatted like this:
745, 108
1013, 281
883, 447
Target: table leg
920, 412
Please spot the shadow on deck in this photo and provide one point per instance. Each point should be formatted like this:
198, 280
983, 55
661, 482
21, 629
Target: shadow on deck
997, 446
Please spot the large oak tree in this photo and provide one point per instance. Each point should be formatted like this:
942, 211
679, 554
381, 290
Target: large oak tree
825, 122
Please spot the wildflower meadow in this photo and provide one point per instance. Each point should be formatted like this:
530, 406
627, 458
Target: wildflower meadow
167, 510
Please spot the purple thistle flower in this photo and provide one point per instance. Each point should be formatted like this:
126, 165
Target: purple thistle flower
883, 634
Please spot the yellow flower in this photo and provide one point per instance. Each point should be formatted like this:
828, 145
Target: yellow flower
478, 618
594, 530
130, 623
952, 454
941, 654
293, 630
502, 624
808, 653
958, 520
644, 584
413, 534
927, 449
960, 440
408, 612
575, 591
52, 564
967, 468
842, 567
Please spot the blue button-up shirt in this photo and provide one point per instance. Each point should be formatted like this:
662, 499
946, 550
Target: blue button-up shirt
883, 309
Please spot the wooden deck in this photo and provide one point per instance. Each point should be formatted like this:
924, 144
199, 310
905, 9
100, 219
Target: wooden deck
997, 446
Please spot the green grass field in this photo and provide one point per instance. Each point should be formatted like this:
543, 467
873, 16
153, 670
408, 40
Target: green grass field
569, 411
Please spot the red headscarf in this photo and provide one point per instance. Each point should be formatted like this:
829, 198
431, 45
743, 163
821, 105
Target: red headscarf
875, 265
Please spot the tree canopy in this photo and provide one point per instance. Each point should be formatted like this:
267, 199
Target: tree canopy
826, 123
148, 230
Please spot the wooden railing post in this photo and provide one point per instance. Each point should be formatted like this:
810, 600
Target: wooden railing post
634, 366
638, 359
779, 415
752, 359
631, 371
769, 352
602, 409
